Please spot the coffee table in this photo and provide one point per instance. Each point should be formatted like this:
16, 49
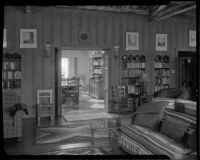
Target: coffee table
109, 124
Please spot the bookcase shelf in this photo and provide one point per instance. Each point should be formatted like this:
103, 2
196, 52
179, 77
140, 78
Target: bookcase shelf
11, 71
161, 72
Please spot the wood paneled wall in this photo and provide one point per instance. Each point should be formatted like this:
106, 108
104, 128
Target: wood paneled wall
61, 27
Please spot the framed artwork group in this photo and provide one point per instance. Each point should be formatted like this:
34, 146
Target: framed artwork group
132, 40
28, 39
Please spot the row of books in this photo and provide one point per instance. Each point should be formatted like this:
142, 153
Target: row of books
10, 84
161, 73
11, 66
161, 65
134, 90
11, 75
134, 65
132, 73
100, 62
161, 81
157, 87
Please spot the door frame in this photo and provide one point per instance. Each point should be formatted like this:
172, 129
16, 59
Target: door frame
58, 73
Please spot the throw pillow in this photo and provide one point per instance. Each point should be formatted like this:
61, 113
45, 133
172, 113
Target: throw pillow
174, 127
149, 120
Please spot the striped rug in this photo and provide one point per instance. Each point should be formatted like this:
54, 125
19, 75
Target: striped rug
79, 151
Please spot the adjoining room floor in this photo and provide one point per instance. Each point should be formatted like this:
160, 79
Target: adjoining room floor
86, 103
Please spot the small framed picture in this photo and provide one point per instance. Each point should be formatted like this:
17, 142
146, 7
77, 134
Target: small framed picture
161, 42
28, 38
4, 38
132, 41
192, 38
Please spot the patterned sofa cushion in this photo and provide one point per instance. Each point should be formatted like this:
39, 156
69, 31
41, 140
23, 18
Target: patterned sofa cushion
174, 127
146, 141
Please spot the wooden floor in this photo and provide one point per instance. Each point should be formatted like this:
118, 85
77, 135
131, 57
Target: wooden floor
27, 144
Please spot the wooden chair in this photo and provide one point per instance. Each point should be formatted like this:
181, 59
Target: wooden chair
45, 106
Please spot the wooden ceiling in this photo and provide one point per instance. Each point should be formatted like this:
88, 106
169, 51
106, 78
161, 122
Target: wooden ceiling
154, 12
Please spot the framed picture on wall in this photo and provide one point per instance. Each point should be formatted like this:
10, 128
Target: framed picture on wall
4, 38
161, 42
28, 38
192, 38
132, 41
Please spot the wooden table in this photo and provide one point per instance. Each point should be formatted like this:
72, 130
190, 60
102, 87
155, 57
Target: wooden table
109, 124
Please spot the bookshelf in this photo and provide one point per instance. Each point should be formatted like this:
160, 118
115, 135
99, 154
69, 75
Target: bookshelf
161, 72
96, 75
11, 71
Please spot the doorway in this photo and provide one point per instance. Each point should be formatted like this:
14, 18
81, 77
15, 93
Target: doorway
82, 80
187, 71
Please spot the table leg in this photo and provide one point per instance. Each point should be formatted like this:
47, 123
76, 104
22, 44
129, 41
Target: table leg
92, 140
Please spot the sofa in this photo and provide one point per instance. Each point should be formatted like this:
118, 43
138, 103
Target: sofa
156, 129
13, 112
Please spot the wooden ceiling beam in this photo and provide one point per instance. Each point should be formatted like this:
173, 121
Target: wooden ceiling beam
125, 9
172, 9
176, 12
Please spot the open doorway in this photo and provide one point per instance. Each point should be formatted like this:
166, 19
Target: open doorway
83, 80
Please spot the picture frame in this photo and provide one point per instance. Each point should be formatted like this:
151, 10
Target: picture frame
28, 38
161, 42
4, 38
192, 38
132, 40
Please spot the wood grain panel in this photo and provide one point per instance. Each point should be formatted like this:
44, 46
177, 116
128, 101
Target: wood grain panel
57, 32
93, 29
75, 28
100, 29
66, 28
47, 38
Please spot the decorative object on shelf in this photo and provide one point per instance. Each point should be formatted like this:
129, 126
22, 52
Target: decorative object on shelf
166, 59
124, 57
84, 37
116, 52
48, 49
28, 38
4, 38
161, 42
132, 41
192, 38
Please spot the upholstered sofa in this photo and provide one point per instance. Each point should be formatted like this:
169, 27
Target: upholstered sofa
13, 112
156, 129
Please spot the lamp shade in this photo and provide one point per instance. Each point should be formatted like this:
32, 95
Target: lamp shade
144, 78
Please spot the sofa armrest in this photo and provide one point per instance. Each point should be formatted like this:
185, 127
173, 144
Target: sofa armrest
125, 120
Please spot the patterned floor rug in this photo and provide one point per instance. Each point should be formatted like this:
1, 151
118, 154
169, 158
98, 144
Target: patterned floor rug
79, 151
76, 132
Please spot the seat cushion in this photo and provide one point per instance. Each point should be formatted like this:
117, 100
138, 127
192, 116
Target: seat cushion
152, 142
